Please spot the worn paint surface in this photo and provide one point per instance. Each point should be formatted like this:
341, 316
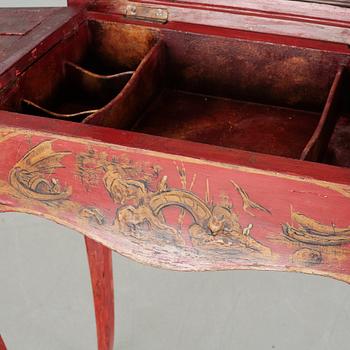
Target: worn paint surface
175, 212
168, 210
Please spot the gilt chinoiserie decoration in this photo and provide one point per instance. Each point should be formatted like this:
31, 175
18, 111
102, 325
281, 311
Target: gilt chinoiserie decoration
188, 135
176, 212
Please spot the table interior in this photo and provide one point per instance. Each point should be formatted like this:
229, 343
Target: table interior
258, 96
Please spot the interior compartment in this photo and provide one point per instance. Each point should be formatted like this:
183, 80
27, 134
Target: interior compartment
82, 74
79, 94
229, 123
253, 96
257, 96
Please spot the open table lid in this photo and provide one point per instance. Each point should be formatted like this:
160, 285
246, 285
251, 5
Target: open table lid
326, 20
27, 33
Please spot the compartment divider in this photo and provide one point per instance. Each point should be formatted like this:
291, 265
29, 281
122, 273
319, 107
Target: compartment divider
42, 111
317, 145
94, 83
87, 84
129, 104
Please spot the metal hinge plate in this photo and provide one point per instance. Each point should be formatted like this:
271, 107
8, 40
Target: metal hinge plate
146, 13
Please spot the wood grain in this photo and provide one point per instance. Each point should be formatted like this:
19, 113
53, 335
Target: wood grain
296, 8
248, 126
27, 48
12, 24
304, 25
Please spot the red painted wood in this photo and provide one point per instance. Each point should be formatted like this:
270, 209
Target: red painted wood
228, 32
2, 344
179, 147
343, 3
306, 25
104, 191
140, 88
21, 21
318, 143
297, 8
25, 49
94, 204
101, 272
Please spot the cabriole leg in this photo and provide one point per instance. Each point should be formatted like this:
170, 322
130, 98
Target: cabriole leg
101, 272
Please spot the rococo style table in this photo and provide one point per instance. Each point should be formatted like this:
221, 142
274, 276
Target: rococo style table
188, 135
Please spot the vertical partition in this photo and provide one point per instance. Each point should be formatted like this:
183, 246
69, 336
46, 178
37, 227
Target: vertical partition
129, 104
317, 144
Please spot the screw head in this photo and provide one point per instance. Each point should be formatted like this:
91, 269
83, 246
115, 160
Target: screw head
132, 9
159, 13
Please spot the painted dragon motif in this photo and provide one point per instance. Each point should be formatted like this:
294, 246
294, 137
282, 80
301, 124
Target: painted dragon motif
30, 177
142, 200
141, 212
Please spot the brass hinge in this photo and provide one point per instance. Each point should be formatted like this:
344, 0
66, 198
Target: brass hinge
147, 13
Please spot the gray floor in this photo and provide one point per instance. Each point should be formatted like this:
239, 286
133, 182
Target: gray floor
46, 302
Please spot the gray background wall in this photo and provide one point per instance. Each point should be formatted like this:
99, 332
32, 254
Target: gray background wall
46, 300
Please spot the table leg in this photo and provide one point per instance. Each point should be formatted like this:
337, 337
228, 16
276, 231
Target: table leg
101, 272
2, 344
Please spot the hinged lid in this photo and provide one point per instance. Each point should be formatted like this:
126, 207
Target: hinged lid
326, 20
26, 34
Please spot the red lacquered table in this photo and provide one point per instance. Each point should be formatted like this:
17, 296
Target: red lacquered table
193, 136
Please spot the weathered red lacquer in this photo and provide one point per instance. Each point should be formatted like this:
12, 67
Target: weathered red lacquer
193, 135
2, 344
